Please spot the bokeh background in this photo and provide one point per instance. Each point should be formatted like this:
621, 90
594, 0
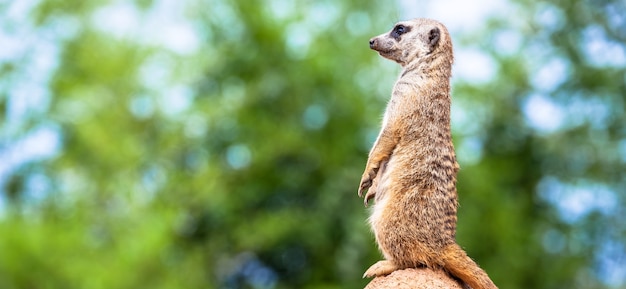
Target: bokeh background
219, 143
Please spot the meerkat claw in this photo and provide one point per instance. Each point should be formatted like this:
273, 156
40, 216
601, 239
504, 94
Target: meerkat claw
366, 183
368, 196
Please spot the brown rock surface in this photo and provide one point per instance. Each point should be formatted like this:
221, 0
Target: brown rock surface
421, 278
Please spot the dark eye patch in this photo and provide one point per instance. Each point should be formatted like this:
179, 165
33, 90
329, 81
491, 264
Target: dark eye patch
399, 30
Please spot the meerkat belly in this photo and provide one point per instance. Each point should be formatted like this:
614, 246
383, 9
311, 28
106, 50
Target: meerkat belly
390, 194
403, 210
383, 182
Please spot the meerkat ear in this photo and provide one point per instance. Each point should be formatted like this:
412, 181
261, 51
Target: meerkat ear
433, 37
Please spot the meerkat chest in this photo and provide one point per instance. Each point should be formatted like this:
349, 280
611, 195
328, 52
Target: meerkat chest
392, 110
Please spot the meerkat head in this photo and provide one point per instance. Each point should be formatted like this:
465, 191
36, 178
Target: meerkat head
413, 40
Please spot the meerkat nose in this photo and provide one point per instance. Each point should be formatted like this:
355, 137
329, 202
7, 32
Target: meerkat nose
372, 42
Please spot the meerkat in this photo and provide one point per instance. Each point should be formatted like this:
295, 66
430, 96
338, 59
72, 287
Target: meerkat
411, 169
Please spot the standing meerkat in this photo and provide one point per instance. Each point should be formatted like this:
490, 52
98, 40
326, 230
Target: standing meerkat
411, 169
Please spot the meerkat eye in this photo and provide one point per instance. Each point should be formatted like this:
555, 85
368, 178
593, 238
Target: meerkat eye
400, 29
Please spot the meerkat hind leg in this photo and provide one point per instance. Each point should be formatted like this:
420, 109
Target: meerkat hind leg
380, 268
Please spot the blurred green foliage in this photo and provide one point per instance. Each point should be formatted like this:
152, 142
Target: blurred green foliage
219, 144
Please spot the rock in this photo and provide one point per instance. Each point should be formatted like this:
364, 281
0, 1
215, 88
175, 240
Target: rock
420, 278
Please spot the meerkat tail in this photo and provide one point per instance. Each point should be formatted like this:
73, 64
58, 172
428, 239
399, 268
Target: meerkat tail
457, 263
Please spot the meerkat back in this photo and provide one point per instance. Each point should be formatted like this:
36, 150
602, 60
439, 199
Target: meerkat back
411, 169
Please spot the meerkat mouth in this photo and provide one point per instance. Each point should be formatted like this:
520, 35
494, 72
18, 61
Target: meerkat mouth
383, 52
388, 54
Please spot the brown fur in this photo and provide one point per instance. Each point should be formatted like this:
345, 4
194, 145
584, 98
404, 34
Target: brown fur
411, 169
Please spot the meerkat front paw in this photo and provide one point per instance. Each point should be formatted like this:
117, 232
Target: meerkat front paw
371, 193
380, 268
370, 181
366, 181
